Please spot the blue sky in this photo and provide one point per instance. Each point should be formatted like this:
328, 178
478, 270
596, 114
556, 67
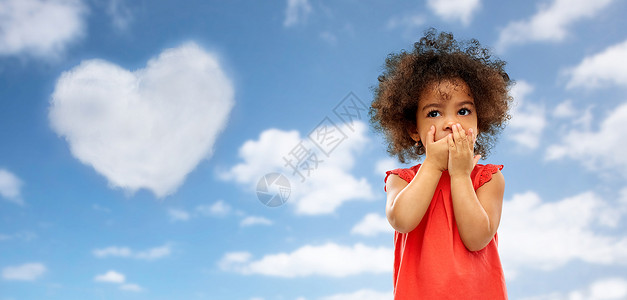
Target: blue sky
134, 134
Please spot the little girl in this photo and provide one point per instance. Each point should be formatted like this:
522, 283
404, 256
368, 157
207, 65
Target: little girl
445, 100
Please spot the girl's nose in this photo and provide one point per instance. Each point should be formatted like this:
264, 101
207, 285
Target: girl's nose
448, 125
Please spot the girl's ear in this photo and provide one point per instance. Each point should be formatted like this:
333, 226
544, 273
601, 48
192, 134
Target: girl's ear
413, 132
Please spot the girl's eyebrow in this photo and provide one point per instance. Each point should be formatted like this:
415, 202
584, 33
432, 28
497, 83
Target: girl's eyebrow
436, 105
466, 102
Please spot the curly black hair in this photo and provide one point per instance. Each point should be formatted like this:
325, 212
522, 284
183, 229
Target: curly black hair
437, 57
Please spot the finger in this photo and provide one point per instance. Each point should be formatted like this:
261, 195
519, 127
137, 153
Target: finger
458, 136
473, 137
451, 142
463, 139
431, 135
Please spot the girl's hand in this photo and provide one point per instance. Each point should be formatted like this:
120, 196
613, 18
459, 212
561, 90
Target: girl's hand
437, 152
461, 158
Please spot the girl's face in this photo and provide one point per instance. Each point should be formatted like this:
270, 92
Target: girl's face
442, 105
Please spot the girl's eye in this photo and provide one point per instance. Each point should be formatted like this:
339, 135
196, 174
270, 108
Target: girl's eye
464, 112
433, 114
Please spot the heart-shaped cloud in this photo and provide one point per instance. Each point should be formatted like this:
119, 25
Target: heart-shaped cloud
148, 128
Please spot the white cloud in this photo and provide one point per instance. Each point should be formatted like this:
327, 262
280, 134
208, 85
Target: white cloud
261, 156
154, 253
328, 189
365, 294
219, 208
324, 260
608, 288
579, 118
233, 259
528, 118
585, 120
40, 28
605, 68
149, 254
611, 288
564, 110
371, 225
113, 251
148, 128
540, 235
10, 187
120, 14
296, 12
329, 185
111, 276
115, 277
25, 272
550, 23
252, 220
178, 215
455, 10
603, 149
131, 287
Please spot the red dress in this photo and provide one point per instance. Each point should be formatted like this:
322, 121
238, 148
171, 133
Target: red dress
431, 261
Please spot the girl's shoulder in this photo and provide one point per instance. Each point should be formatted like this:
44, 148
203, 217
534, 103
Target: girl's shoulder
483, 173
406, 174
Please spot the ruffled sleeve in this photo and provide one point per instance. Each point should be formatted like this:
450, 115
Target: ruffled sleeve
405, 174
485, 174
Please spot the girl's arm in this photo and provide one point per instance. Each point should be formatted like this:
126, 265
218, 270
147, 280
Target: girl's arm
407, 203
477, 214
